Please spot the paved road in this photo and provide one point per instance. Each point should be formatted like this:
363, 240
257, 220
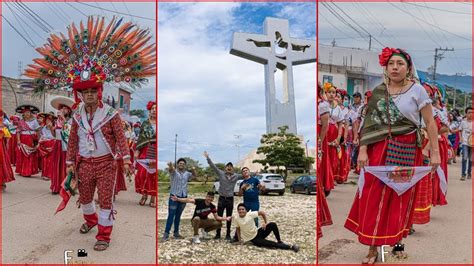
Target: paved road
446, 239
32, 234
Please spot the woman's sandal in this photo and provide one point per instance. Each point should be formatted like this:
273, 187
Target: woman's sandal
411, 231
152, 204
85, 228
143, 200
101, 245
371, 258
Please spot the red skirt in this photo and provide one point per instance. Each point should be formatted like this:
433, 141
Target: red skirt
438, 197
12, 146
48, 157
27, 165
380, 216
343, 166
6, 172
145, 183
324, 170
324, 215
58, 173
423, 198
329, 158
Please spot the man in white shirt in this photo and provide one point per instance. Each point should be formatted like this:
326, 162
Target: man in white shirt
466, 131
247, 230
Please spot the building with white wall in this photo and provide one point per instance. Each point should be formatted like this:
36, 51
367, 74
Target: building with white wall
351, 69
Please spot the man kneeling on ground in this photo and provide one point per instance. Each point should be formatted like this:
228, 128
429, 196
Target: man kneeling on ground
203, 208
247, 230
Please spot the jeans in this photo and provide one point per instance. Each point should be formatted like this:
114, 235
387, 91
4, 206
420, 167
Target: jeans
175, 209
466, 155
227, 204
261, 241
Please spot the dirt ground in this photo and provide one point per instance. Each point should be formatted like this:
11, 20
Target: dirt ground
295, 215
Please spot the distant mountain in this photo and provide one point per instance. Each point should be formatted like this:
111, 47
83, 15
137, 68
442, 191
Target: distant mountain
463, 83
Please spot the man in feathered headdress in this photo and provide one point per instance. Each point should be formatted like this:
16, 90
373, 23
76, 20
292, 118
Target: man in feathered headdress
90, 56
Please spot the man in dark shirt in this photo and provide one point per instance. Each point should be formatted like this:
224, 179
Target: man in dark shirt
204, 207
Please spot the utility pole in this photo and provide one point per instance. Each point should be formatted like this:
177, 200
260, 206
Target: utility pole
370, 42
175, 148
306, 144
439, 57
455, 87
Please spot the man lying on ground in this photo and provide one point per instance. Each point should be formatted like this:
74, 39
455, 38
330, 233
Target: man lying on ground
247, 230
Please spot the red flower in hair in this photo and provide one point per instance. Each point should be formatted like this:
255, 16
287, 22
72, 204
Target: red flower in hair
387, 52
150, 105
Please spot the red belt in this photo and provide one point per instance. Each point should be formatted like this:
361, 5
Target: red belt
101, 159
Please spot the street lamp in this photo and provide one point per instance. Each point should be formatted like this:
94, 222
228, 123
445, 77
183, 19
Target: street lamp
307, 162
175, 148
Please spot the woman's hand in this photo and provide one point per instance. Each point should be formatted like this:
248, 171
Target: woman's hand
435, 161
362, 159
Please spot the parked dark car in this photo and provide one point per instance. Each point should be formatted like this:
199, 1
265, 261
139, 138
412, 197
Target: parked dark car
304, 183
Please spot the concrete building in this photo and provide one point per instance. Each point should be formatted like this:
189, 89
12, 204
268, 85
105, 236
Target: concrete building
352, 69
13, 95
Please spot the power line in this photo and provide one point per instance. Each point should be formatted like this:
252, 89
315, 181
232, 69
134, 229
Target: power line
17, 18
31, 17
417, 18
433, 8
36, 15
447, 41
60, 16
19, 33
355, 22
121, 13
334, 26
78, 10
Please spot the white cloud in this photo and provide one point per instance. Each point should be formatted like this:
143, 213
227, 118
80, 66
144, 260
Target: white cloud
206, 95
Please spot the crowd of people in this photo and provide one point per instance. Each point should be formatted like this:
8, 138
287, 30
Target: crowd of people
399, 140
248, 229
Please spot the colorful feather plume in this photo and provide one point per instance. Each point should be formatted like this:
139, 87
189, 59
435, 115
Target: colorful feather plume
121, 49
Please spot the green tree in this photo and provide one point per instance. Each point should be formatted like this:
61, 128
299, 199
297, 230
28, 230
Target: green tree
139, 113
282, 149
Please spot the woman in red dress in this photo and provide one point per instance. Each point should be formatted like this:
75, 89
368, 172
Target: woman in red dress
323, 169
12, 142
27, 139
333, 136
391, 136
146, 177
47, 143
6, 172
343, 165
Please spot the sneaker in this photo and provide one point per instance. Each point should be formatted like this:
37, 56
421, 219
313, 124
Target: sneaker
228, 237
166, 237
196, 240
178, 236
295, 248
217, 236
463, 178
205, 235
469, 177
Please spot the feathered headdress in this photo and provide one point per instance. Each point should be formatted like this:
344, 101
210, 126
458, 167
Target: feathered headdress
93, 54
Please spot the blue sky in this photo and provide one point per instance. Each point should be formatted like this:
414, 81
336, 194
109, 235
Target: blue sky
206, 95
59, 15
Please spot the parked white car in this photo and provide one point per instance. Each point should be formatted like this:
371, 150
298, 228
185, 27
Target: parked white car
272, 183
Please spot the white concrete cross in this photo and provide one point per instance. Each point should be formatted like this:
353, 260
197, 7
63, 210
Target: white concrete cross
276, 50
